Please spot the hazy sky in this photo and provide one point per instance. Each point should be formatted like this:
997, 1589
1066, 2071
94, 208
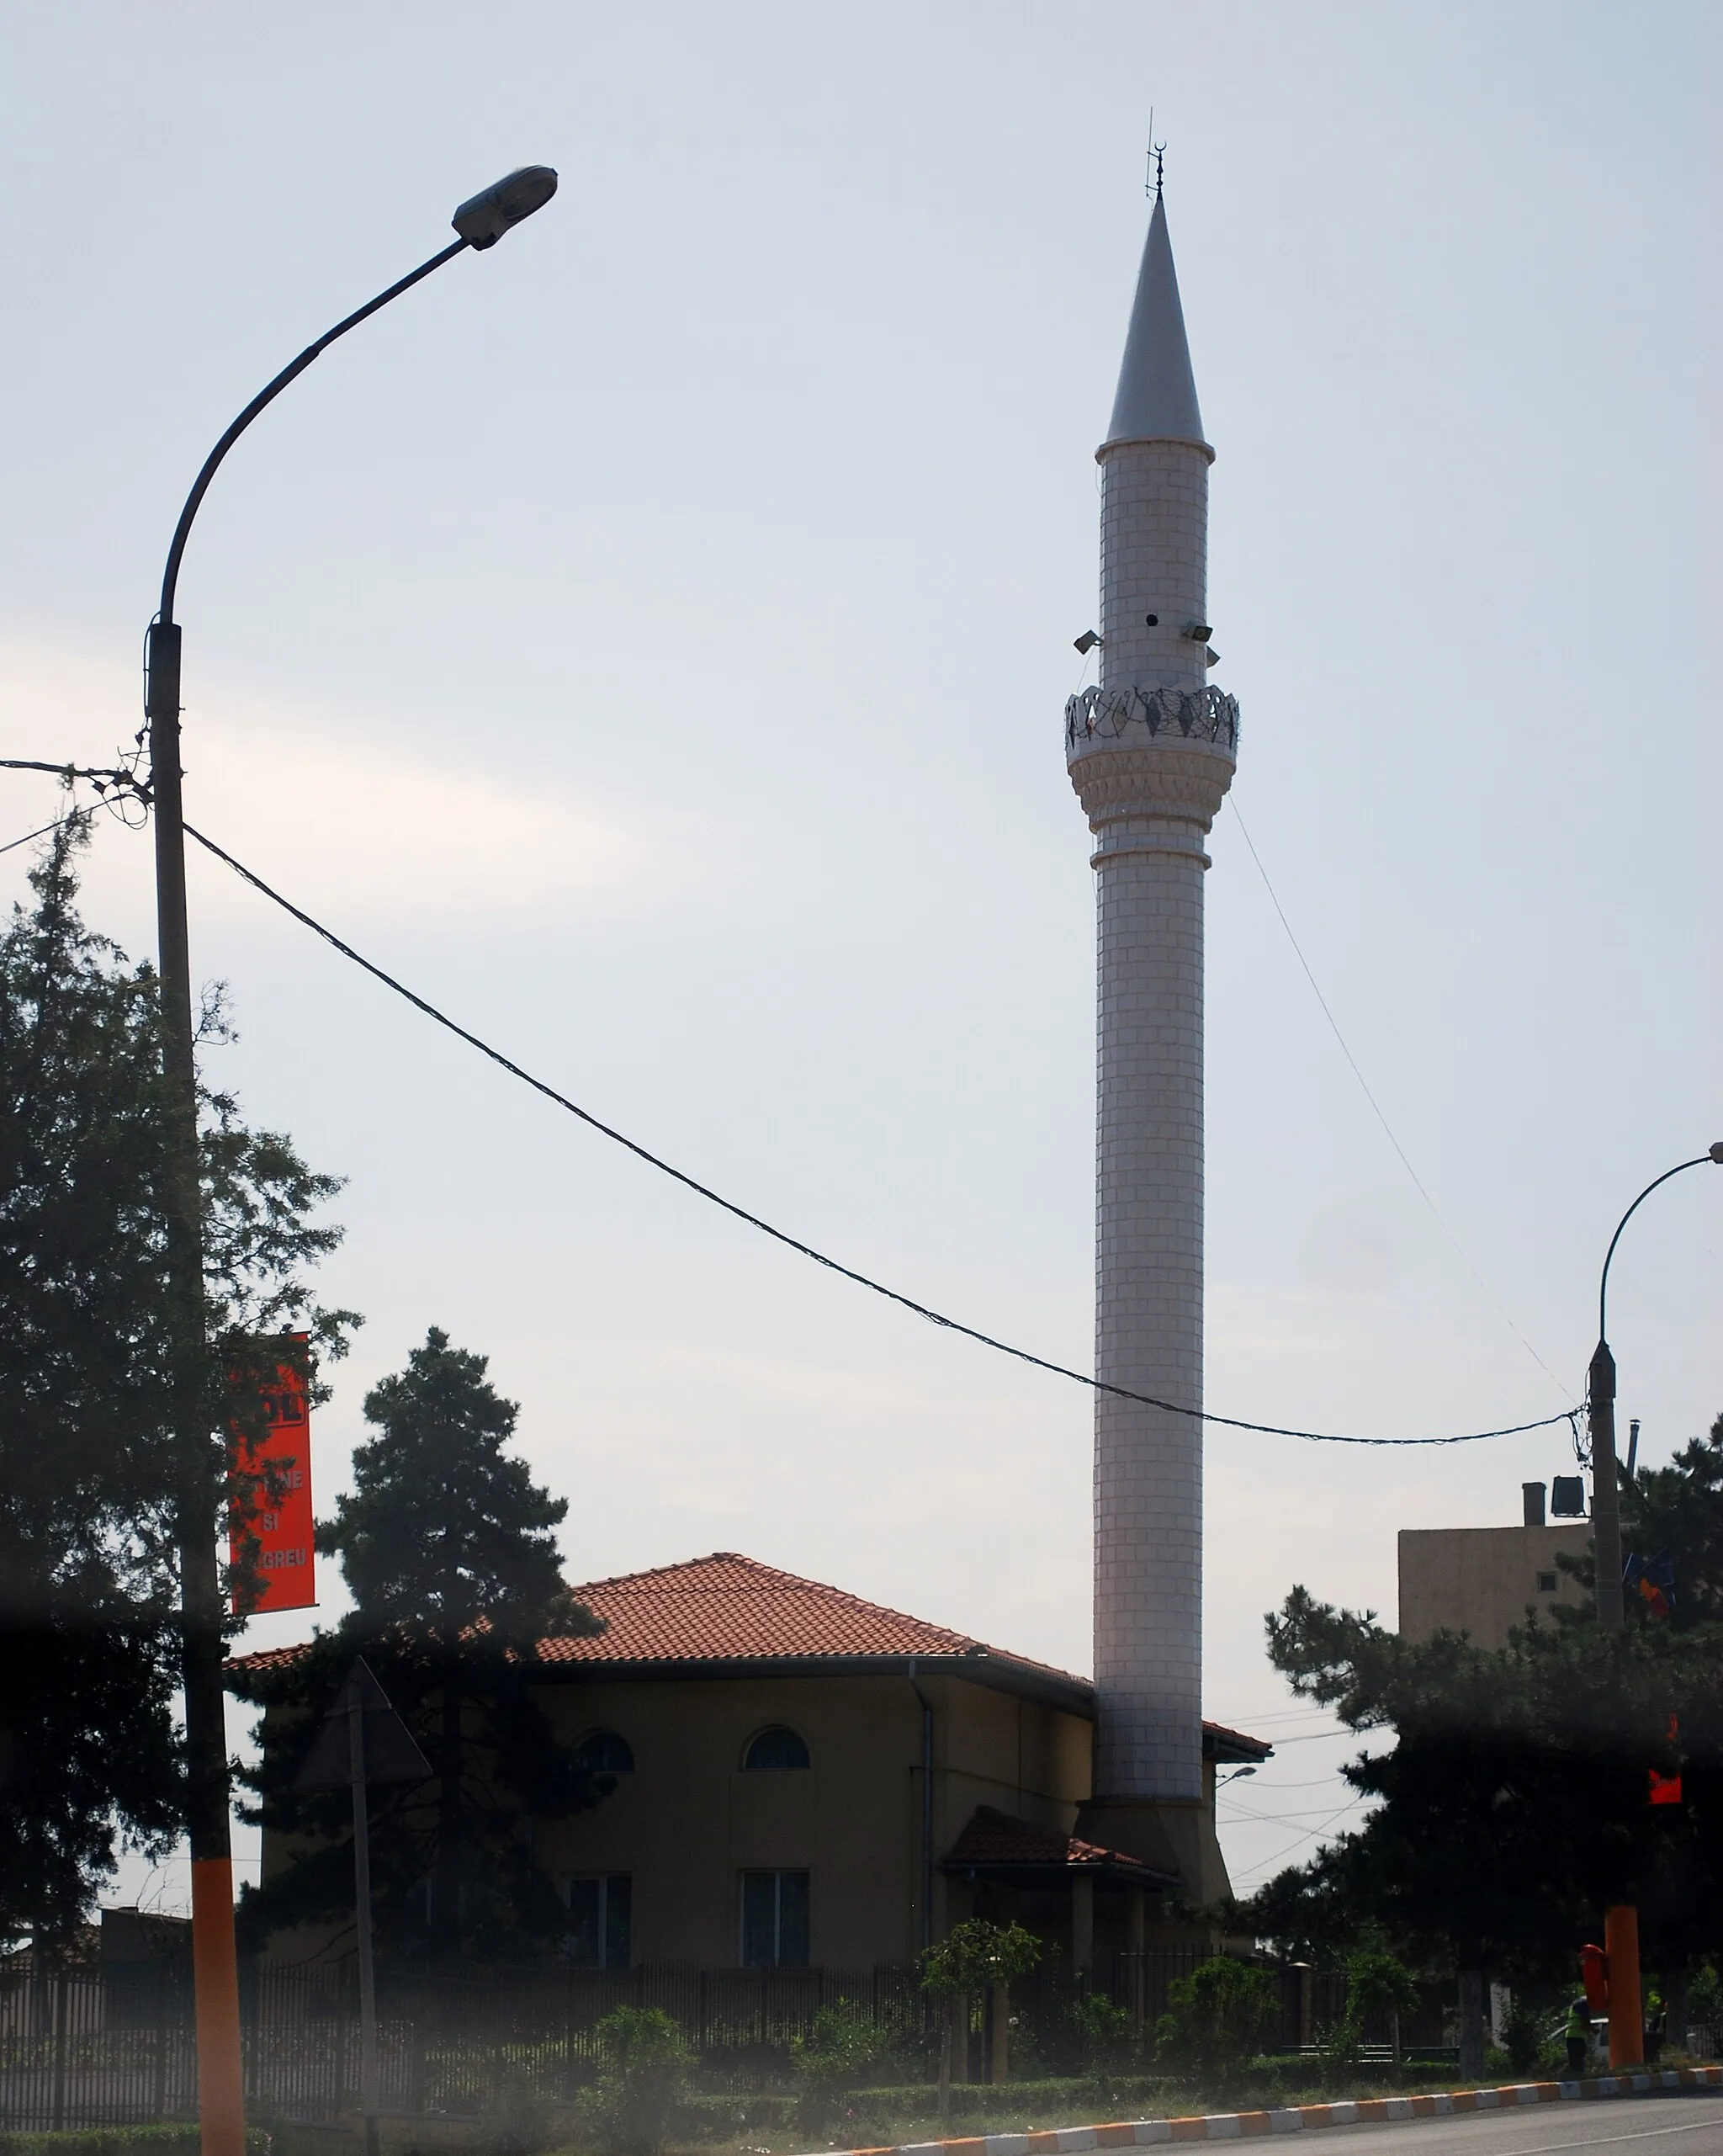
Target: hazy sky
650, 639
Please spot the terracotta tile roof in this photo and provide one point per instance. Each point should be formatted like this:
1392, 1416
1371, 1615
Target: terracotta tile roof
729, 1608
725, 1608
995, 1841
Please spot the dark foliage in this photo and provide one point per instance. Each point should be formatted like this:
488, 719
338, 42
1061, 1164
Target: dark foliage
1514, 1802
88, 1465
1677, 1511
448, 1548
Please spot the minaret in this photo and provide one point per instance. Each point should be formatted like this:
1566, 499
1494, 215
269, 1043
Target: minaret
1151, 752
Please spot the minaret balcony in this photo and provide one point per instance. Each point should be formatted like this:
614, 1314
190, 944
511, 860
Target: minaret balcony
1124, 715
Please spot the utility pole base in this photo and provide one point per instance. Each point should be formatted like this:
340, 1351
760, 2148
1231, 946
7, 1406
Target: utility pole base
221, 2097
1627, 2028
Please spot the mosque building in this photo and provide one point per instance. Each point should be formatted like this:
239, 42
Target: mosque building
802, 1778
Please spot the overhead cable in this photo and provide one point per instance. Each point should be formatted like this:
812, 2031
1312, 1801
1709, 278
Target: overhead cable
1376, 1108
807, 1250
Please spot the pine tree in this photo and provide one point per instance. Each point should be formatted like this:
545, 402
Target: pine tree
1674, 1511
1514, 1804
89, 1757
448, 1548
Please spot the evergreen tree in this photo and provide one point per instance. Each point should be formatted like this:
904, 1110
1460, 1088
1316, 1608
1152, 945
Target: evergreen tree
89, 1463
448, 1548
1514, 1805
1675, 1511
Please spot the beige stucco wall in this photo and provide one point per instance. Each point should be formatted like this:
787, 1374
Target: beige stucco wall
1480, 1581
688, 1821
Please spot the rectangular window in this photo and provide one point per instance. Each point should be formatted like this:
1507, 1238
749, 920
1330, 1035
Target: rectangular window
775, 1920
1546, 1583
599, 1910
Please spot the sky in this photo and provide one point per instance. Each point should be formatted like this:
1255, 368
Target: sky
649, 640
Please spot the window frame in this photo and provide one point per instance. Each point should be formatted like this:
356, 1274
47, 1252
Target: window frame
603, 1729
777, 1876
606, 1882
804, 1766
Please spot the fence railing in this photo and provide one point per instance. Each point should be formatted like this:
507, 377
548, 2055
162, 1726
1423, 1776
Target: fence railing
86, 2050
118, 2048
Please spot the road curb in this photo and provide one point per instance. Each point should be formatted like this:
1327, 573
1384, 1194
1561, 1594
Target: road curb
1304, 2118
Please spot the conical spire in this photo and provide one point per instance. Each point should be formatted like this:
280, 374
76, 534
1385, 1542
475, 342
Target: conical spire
1157, 396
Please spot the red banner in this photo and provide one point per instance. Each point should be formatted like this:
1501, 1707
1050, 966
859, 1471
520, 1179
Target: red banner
277, 1523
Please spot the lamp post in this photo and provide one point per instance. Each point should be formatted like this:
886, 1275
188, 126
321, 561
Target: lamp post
1606, 1492
479, 223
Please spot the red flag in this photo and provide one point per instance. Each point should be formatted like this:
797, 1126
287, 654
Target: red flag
1666, 1789
278, 1523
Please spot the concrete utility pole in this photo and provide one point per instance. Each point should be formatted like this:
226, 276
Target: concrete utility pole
1600, 1422
202, 1462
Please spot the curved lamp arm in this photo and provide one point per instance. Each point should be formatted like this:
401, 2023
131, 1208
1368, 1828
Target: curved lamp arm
1699, 1160
193, 501
481, 223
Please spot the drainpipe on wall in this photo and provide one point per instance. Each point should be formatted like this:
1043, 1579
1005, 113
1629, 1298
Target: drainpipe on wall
926, 1811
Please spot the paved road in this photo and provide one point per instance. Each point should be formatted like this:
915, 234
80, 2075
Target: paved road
1689, 2125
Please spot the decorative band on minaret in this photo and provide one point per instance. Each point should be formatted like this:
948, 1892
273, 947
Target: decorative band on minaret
1151, 752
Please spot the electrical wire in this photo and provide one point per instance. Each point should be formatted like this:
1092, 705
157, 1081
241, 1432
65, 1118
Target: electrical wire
794, 1243
1488, 1292
124, 784
1321, 1737
1278, 1788
66, 770
1284, 1854
77, 816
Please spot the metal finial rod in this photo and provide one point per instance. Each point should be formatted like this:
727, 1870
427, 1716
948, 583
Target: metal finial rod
1160, 167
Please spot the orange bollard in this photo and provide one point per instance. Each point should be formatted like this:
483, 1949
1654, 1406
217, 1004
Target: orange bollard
1627, 2033
221, 2100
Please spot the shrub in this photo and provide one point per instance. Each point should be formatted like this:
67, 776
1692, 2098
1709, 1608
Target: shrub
1105, 2035
977, 1954
643, 2070
1216, 2018
841, 2049
1704, 2000
1523, 2033
1377, 1983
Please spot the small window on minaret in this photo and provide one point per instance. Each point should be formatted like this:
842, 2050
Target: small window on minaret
1546, 1583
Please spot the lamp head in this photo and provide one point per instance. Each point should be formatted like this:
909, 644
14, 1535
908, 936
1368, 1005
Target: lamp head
1717, 1152
482, 221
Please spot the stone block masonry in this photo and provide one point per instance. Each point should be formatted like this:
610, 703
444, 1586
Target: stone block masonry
1150, 794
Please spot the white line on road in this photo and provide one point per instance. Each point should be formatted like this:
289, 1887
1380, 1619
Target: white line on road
1609, 2140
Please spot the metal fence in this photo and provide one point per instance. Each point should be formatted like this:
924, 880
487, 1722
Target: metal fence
118, 2048
83, 2049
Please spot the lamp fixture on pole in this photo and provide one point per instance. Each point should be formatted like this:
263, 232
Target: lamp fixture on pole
479, 223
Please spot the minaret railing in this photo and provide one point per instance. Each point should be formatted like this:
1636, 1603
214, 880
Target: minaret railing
1206, 714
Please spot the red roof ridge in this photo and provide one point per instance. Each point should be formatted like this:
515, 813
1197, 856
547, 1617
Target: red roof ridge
691, 1566
728, 1608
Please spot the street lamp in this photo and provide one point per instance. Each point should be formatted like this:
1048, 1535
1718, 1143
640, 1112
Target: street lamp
1606, 1493
479, 223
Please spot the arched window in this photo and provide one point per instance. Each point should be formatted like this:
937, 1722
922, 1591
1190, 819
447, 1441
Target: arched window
602, 1751
775, 1749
